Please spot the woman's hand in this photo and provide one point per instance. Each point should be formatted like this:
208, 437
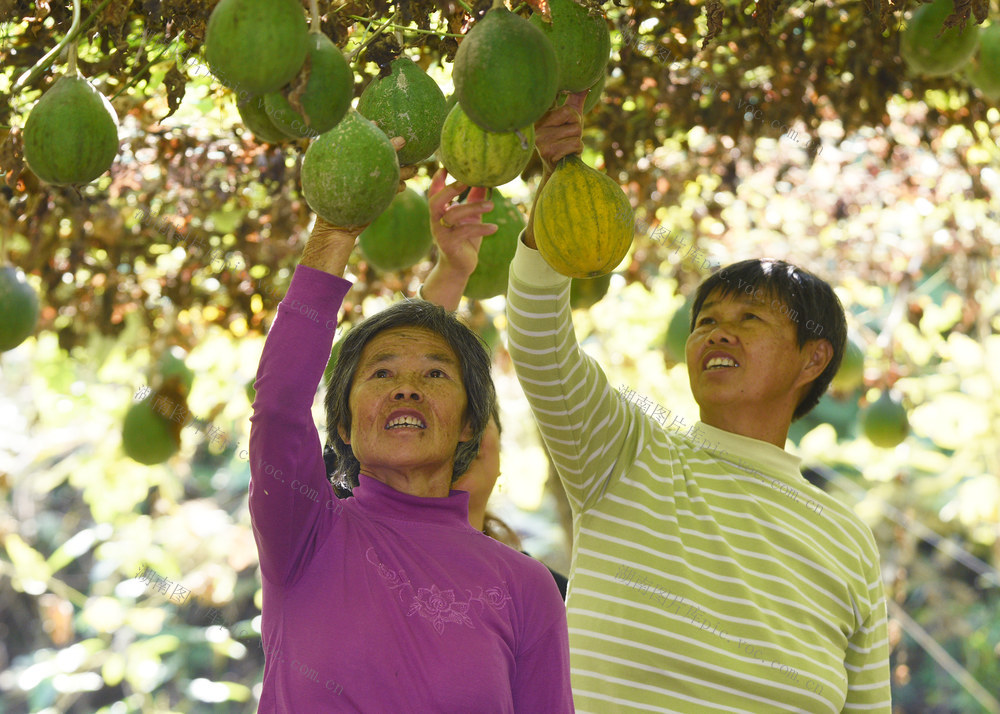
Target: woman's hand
458, 231
330, 246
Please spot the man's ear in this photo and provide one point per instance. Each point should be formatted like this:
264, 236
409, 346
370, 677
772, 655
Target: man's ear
344, 436
820, 353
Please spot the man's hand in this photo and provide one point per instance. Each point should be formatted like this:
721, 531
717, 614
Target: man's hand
330, 246
558, 133
458, 231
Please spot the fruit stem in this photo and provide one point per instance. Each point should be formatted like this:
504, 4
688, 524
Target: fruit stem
496, 4
465, 6
71, 59
74, 31
314, 13
524, 140
378, 31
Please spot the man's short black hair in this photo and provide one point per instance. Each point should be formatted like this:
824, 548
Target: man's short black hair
473, 357
807, 300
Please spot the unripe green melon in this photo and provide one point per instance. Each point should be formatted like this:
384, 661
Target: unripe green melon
251, 391
256, 46
506, 73
851, 373
407, 103
581, 41
350, 174
401, 236
489, 279
327, 95
593, 96
71, 136
928, 54
147, 436
884, 422
678, 330
584, 293
253, 111
478, 157
984, 68
18, 308
331, 364
171, 367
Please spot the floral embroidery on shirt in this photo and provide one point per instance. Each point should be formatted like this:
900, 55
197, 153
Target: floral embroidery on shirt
434, 604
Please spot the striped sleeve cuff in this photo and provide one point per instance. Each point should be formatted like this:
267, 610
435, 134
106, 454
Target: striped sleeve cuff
530, 268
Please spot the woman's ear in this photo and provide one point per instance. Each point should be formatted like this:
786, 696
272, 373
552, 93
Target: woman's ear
344, 436
466, 434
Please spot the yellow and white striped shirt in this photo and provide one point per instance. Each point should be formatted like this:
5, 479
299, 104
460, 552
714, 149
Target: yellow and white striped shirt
702, 579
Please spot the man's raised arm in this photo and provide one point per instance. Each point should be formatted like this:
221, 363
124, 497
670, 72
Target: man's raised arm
589, 432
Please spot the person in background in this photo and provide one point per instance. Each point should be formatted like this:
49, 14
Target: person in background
458, 232
390, 601
708, 574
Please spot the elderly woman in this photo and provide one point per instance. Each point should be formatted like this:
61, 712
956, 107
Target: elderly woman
388, 601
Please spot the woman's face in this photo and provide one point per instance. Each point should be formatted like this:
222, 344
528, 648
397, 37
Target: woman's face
482, 475
407, 402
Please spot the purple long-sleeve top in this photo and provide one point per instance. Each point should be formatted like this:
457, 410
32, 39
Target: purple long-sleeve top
384, 602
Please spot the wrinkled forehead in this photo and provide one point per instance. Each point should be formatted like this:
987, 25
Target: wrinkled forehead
409, 342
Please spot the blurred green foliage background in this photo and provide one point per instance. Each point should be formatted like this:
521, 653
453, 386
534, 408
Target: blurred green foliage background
898, 211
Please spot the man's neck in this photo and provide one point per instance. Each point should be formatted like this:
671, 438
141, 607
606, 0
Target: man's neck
754, 426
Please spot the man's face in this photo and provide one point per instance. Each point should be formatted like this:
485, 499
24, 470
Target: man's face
743, 356
407, 402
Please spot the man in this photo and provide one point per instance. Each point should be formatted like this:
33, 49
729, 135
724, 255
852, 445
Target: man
704, 578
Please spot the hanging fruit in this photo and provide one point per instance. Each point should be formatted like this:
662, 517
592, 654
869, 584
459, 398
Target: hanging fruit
323, 88
505, 72
18, 308
581, 41
404, 101
930, 51
984, 68
350, 174
851, 373
401, 235
71, 135
578, 222
253, 112
478, 157
256, 46
884, 422
489, 279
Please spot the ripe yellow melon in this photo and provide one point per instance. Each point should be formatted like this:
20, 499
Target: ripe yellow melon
578, 222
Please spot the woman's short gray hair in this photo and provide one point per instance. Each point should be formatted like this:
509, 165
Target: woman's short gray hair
469, 348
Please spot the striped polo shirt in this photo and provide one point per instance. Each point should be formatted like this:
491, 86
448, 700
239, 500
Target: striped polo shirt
707, 573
